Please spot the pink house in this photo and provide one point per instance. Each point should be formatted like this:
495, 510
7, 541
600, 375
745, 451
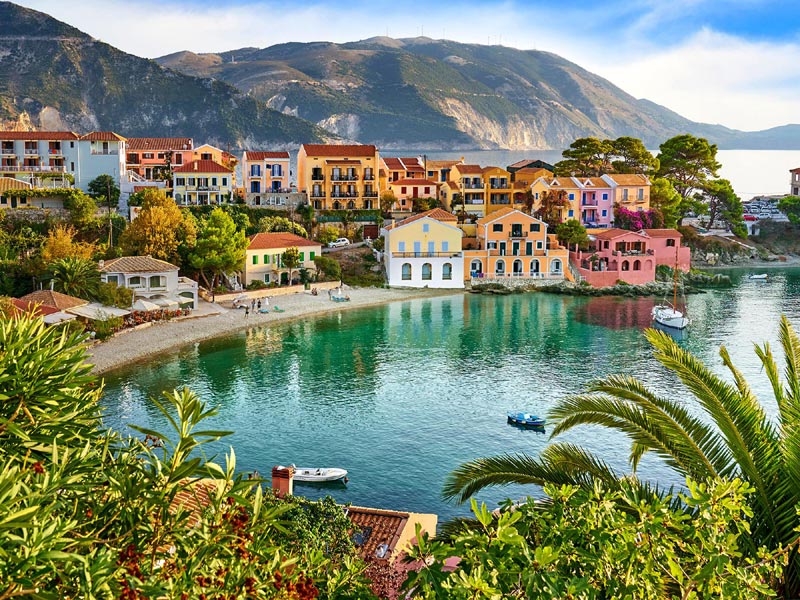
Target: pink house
630, 256
597, 204
406, 189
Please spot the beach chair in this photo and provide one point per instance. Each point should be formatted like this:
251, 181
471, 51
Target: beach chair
263, 311
276, 309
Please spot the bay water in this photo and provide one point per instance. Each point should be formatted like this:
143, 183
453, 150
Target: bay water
402, 394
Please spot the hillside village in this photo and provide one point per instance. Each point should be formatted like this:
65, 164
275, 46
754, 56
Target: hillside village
135, 229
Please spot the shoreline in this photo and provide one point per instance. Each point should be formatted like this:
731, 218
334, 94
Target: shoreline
137, 346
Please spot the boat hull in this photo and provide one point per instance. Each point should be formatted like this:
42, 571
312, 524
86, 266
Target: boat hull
524, 420
669, 317
314, 475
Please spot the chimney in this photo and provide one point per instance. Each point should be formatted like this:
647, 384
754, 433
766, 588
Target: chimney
195, 165
52, 284
100, 264
283, 481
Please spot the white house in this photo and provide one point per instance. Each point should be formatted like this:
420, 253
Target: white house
150, 279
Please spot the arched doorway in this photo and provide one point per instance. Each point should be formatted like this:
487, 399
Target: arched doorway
535, 267
476, 268
500, 268
555, 267
517, 268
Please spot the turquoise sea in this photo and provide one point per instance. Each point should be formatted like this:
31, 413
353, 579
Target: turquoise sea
402, 394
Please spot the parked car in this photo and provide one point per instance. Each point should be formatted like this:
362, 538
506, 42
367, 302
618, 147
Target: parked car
341, 242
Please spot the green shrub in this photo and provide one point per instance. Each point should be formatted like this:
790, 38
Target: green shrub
106, 328
256, 284
329, 267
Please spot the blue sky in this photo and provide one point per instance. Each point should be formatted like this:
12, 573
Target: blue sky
734, 62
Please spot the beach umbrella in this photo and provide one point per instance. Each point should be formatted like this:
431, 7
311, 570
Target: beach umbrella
145, 306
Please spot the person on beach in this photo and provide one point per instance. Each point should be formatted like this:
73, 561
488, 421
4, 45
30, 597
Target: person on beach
253, 304
266, 301
259, 304
246, 311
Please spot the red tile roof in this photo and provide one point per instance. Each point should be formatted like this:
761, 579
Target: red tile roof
614, 232
435, 213
470, 169
10, 183
270, 241
443, 164
55, 299
410, 181
136, 264
37, 310
339, 149
663, 233
377, 527
103, 136
159, 143
38, 135
497, 214
258, 155
625, 179
393, 163
202, 166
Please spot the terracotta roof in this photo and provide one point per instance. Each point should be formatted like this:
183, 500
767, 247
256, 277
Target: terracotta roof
442, 164
663, 233
343, 161
490, 168
270, 241
38, 135
506, 210
393, 163
160, 143
561, 182
470, 169
9, 183
593, 182
194, 498
435, 213
521, 163
797, 170
203, 166
103, 136
531, 174
37, 310
258, 155
413, 181
136, 264
629, 179
453, 185
614, 232
339, 149
55, 299
377, 527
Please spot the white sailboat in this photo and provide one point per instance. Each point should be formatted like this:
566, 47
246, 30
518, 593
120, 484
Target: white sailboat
667, 314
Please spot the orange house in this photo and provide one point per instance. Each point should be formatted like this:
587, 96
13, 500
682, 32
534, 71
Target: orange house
148, 157
406, 189
511, 243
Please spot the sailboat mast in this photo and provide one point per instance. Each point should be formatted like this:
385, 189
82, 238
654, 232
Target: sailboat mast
675, 281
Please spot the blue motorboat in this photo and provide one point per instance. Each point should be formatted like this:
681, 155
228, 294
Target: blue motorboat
525, 419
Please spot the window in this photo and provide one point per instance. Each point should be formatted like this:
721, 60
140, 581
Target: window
427, 271
160, 156
135, 281
500, 267
406, 275
311, 256
572, 196
112, 279
255, 259
426, 227
536, 227
491, 245
158, 281
539, 245
255, 170
224, 182
605, 213
447, 271
637, 265
625, 195
147, 155
670, 243
605, 196
213, 181
302, 257
476, 267
555, 267
431, 248
190, 181
625, 265
571, 213
180, 181
206, 156
528, 248
72, 144
403, 190
445, 246
640, 194
255, 187
428, 190
266, 259
401, 246
497, 228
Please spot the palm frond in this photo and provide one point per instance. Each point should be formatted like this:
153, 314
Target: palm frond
791, 351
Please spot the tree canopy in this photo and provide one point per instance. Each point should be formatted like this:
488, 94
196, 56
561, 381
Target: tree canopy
220, 247
270, 224
161, 230
105, 189
790, 206
687, 162
572, 233
720, 202
591, 157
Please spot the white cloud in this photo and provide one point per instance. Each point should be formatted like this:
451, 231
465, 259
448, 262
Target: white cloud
716, 78
706, 77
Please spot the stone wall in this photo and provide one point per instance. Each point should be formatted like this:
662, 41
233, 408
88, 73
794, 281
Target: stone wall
513, 283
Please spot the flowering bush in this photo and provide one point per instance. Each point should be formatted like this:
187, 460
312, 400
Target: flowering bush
635, 220
138, 317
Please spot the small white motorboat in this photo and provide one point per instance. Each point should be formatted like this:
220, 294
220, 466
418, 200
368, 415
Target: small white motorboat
758, 276
319, 475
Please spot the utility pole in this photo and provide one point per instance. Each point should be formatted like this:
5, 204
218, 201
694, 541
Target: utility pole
110, 222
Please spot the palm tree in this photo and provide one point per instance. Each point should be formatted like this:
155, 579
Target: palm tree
76, 276
729, 436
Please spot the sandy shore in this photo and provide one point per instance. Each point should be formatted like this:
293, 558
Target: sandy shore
215, 321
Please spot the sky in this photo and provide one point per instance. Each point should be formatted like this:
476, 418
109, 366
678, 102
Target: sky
732, 62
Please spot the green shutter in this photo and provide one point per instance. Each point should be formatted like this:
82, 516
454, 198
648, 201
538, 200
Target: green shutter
255, 259
302, 257
312, 256
266, 259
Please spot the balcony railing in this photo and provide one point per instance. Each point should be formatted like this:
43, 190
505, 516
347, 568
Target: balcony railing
201, 188
318, 194
317, 177
372, 194
31, 151
104, 152
474, 201
518, 275
32, 169
536, 252
472, 186
55, 150
632, 253
518, 235
500, 201
344, 194
499, 186
589, 203
427, 254
369, 177
344, 177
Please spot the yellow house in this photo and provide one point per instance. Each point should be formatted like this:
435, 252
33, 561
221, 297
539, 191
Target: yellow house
202, 182
498, 186
209, 152
263, 261
468, 180
337, 177
511, 243
424, 251
567, 186
630, 191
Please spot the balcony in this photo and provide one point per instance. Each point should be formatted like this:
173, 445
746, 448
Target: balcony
101, 152
498, 186
319, 194
478, 201
370, 194
31, 152
32, 169
317, 177
472, 186
344, 177
201, 188
500, 201
589, 203
427, 254
369, 177
632, 252
518, 235
344, 194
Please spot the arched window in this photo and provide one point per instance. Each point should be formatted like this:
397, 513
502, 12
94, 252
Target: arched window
337, 205
476, 268
625, 266
555, 266
178, 197
427, 271
351, 205
534, 267
406, 272
517, 268
637, 265
500, 267
447, 271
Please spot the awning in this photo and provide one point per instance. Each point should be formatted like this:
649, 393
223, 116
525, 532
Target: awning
145, 305
57, 317
98, 312
165, 303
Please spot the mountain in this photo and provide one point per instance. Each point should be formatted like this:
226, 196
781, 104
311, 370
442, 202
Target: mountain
60, 78
424, 93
